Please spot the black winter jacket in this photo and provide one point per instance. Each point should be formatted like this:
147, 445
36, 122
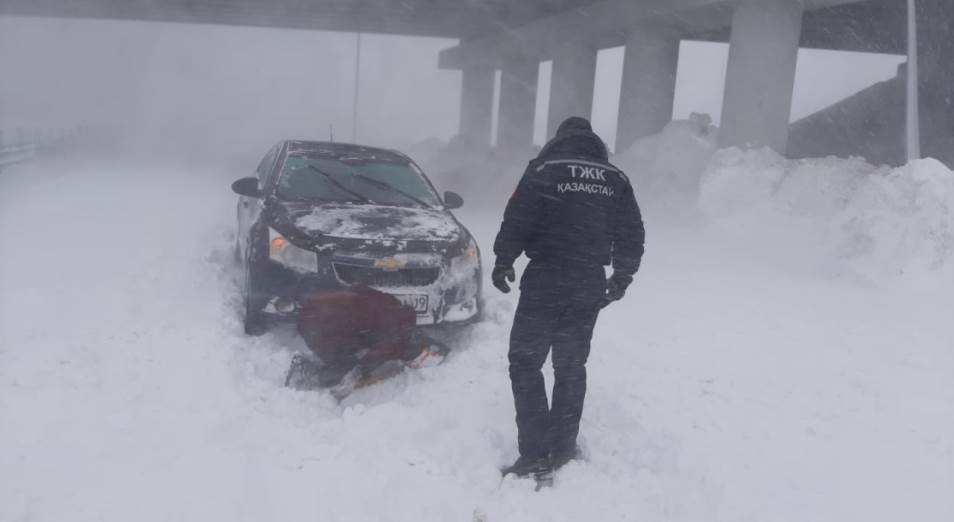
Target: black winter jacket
572, 207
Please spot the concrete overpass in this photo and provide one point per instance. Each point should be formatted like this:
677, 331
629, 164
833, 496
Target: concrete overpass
764, 37
515, 36
451, 19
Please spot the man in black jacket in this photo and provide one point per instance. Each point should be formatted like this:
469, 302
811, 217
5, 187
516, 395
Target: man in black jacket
572, 214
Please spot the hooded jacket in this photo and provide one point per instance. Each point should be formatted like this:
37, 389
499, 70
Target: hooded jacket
572, 207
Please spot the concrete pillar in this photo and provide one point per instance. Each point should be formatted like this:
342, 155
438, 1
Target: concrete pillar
760, 76
936, 78
518, 94
649, 85
571, 84
476, 104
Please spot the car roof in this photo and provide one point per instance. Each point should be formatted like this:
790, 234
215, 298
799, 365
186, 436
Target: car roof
343, 150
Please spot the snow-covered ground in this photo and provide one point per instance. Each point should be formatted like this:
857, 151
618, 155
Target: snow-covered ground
734, 383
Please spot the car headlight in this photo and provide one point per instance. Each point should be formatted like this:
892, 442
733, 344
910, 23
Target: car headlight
466, 247
466, 262
282, 250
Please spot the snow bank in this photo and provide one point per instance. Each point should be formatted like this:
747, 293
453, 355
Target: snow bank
903, 221
840, 215
667, 168
846, 213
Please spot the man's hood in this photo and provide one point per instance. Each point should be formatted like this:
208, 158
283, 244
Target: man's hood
575, 137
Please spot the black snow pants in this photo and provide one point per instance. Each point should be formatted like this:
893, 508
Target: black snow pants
558, 308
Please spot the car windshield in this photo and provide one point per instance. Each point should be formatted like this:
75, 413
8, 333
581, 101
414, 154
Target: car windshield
352, 180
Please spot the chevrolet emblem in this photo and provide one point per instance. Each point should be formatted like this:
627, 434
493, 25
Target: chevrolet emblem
390, 264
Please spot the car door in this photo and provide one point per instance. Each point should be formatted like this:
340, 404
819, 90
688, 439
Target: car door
249, 209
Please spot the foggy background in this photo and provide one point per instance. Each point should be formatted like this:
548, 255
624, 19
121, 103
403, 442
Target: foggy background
785, 353
210, 91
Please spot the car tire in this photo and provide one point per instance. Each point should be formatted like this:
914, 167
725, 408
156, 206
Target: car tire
254, 321
255, 324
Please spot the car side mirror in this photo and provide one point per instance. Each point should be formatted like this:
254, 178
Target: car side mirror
453, 200
247, 187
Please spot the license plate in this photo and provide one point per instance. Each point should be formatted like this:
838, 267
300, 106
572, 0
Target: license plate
417, 302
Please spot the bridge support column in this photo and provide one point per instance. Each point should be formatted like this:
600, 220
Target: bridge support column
649, 85
476, 104
518, 94
760, 76
571, 84
936, 81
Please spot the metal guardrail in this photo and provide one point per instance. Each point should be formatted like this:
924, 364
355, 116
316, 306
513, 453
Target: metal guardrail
27, 144
17, 154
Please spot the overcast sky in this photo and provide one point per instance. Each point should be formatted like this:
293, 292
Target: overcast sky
248, 87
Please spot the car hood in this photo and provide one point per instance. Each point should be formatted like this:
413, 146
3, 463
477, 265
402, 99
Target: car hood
373, 222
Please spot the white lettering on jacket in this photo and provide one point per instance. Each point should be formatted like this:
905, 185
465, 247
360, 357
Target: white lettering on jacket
582, 172
588, 188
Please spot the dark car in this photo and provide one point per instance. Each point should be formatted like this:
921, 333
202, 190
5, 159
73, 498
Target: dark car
324, 216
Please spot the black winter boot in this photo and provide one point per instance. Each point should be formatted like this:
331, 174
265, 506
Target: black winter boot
528, 466
562, 458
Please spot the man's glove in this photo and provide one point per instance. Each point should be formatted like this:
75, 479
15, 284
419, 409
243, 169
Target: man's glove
501, 275
615, 288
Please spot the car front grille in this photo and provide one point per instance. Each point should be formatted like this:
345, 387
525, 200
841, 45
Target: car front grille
351, 274
406, 247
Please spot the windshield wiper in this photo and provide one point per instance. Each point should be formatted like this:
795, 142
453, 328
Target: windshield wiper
360, 197
391, 188
308, 199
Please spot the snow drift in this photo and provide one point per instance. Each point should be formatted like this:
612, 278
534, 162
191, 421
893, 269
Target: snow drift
875, 221
831, 214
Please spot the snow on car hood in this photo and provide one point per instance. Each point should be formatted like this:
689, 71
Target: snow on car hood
376, 222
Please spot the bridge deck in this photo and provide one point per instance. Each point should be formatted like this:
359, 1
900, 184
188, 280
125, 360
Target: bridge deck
869, 25
413, 17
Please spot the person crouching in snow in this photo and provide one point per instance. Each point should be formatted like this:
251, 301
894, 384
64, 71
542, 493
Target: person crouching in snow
355, 332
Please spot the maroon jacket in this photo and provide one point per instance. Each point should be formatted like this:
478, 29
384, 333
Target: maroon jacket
339, 325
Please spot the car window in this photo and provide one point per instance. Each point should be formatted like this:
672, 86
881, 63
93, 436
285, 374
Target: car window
350, 180
265, 167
